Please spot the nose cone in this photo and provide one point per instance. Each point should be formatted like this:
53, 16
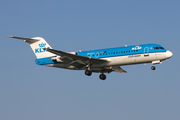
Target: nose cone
169, 54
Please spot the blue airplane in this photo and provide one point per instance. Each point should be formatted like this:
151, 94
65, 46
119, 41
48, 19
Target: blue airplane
99, 61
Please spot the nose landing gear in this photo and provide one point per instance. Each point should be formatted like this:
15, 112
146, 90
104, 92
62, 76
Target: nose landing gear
153, 68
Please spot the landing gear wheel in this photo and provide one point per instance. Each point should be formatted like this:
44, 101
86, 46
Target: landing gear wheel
153, 68
102, 76
88, 72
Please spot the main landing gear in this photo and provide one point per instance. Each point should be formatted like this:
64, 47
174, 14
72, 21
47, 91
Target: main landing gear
101, 76
153, 68
88, 72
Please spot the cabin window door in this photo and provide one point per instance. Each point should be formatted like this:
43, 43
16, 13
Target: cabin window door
146, 51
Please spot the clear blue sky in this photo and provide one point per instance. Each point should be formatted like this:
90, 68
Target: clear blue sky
32, 92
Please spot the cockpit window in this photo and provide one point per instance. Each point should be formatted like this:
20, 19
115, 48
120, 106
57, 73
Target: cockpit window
161, 47
154, 48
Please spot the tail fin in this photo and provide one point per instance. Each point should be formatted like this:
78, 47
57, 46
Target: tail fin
36, 44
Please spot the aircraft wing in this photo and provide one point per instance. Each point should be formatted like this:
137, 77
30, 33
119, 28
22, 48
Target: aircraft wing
76, 59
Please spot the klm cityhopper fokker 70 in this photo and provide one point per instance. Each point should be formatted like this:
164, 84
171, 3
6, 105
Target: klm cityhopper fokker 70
101, 60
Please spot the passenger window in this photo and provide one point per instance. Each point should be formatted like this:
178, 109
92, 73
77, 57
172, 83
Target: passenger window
136, 50
131, 50
114, 53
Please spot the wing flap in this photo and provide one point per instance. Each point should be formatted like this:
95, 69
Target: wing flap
78, 63
118, 69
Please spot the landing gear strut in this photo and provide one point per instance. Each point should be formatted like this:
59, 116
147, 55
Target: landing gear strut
88, 72
153, 68
102, 76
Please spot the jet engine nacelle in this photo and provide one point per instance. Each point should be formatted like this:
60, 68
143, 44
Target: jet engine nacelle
74, 53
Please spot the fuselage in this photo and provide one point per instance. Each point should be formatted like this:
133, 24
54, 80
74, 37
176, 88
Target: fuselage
119, 56
100, 61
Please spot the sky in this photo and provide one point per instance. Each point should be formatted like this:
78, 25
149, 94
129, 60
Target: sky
32, 92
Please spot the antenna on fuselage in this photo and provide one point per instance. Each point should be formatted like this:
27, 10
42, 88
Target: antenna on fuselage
125, 45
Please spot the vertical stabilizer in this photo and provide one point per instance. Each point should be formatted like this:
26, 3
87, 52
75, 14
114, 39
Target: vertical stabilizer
36, 44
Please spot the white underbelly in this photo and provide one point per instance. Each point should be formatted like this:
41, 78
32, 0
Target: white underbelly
136, 59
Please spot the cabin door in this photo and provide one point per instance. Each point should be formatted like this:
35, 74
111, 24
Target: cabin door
146, 51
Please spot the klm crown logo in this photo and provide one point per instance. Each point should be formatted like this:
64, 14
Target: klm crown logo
42, 44
40, 50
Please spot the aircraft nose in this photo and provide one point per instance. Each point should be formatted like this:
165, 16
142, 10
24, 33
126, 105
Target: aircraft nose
169, 54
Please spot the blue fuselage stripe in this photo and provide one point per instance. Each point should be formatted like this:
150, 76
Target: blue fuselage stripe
110, 52
122, 51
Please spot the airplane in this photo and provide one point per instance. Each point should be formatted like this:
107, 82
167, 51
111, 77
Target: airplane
100, 61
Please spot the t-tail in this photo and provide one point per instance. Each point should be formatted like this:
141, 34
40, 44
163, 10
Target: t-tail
37, 44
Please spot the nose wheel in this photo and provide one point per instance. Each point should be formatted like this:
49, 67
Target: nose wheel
153, 68
102, 76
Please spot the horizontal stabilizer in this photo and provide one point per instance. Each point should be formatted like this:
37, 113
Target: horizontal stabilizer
29, 40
